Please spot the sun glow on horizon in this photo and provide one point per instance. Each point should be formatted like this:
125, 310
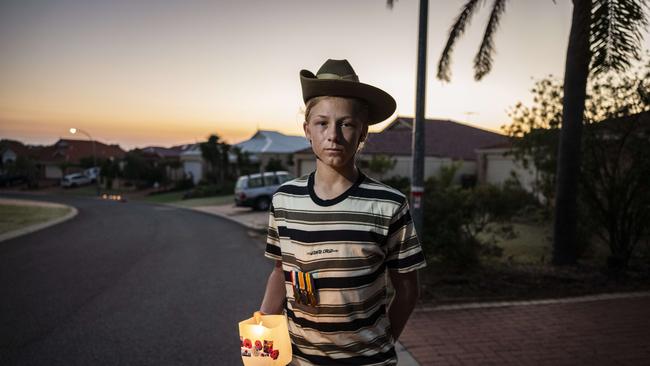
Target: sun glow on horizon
171, 72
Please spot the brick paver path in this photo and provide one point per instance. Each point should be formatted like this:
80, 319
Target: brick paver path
603, 332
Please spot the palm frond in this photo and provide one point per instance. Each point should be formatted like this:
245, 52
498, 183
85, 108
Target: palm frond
483, 59
616, 33
456, 30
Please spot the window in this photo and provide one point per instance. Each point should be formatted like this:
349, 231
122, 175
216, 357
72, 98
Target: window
271, 180
254, 182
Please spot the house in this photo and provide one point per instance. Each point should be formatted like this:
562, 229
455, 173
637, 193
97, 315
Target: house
496, 163
171, 157
265, 145
446, 142
193, 164
10, 150
68, 153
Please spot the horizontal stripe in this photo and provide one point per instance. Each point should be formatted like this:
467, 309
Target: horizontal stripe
406, 262
330, 235
343, 282
332, 216
380, 342
344, 309
403, 221
273, 249
333, 263
293, 190
271, 232
352, 325
379, 358
300, 192
378, 195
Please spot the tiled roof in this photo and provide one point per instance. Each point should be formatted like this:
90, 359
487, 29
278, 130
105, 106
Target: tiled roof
73, 150
443, 138
19, 148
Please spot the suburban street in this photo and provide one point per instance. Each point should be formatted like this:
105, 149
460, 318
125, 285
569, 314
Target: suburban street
128, 283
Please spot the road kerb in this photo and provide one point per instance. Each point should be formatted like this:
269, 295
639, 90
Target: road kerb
41, 225
565, 300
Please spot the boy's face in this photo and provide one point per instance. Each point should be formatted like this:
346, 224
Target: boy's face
334, 131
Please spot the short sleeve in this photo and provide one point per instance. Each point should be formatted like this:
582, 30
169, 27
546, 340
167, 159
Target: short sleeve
272, 237
404, 252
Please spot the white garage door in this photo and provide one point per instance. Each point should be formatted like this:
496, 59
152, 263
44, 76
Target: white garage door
195, 169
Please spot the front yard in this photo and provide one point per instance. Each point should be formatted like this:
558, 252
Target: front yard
15, 217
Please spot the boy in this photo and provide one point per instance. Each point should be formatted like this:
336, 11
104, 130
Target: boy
338, 236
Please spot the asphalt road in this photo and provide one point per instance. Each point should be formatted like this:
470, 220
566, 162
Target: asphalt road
128, 284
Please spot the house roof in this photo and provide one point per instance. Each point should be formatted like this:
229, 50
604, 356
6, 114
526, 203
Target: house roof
73, 150
264, 141
443, 138
19, 148
167, 152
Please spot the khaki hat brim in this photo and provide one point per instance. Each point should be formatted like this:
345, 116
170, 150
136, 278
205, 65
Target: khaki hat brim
380, 104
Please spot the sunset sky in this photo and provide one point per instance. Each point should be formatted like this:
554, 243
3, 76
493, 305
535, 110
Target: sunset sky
162, 72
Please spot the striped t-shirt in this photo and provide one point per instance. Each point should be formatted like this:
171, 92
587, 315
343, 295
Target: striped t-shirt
346, 244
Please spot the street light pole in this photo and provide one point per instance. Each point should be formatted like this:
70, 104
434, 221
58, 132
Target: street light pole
74, 131
417, 149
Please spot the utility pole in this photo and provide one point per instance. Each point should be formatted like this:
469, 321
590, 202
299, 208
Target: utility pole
417, 147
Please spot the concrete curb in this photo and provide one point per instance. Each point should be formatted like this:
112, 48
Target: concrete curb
222, 215
566, 300
40, 226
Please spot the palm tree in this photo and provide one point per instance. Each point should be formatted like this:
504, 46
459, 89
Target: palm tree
605, 35
211, 152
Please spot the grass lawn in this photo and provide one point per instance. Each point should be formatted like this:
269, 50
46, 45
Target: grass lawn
91, 191
17, 216
532, 244
176, 199
170, 198
524, 271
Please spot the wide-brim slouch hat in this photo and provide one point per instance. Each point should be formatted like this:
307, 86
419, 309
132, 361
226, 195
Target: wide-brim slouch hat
337, 78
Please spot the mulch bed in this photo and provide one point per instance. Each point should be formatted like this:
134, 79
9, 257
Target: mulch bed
510, 282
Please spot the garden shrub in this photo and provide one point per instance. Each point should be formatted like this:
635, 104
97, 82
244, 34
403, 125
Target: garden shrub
462, 225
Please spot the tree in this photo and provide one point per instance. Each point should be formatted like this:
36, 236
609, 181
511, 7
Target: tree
274, 165
141, 171
614, 150
215, 152
381, 164
605, 35
110, 169
23, 167
244, 165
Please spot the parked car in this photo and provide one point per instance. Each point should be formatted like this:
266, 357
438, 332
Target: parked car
92, 173
256, 190
75, 180
8, 180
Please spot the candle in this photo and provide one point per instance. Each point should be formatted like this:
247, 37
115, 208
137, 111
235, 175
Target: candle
265, 340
